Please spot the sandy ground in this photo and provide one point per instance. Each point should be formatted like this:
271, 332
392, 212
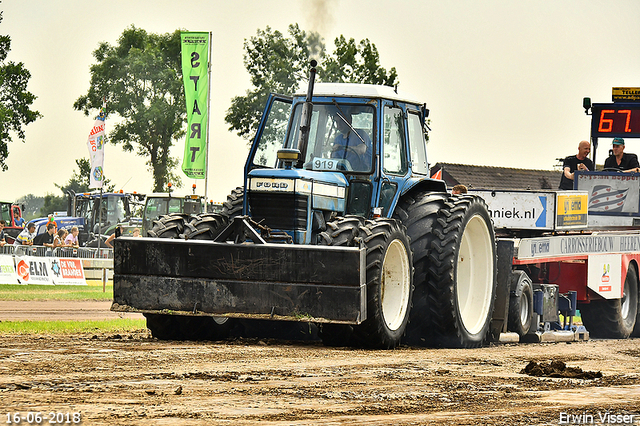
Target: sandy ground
134, 379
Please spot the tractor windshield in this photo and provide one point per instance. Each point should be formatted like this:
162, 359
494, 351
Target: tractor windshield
340, 137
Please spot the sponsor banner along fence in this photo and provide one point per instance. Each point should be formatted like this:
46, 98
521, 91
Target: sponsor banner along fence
49, 271
30, 265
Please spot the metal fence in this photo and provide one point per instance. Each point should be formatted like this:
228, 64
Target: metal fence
82, 252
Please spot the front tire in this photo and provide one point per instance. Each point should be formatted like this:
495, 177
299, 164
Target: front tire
616, 318
389, 277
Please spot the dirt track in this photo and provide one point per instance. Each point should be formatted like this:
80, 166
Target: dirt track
133, 379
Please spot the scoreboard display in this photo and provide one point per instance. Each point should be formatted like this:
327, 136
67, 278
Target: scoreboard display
616, 120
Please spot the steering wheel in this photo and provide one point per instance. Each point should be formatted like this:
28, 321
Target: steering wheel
347, 148
611, 169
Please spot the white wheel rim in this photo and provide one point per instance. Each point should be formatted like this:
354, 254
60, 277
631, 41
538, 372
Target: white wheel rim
220, 320
524, 308
625, 304
395, 285
474, 275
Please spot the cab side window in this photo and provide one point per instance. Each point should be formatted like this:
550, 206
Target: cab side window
417, 145
394, 148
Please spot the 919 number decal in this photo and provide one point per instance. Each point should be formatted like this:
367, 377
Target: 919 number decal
325, 164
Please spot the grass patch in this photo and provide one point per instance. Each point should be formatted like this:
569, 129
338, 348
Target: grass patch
55, 292
119, 325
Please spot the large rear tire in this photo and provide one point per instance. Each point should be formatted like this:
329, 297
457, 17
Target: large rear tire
614, 318
232, 207
389, 278
168, 226
455, 269
205, 226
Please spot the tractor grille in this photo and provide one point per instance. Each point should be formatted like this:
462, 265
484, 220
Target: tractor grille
279, 211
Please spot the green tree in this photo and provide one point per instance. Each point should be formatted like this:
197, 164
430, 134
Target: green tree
140, 79
279, 64
15, 100
32, 205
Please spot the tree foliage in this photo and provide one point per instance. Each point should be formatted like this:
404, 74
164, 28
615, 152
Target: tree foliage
140, 78
279, 64
15, 100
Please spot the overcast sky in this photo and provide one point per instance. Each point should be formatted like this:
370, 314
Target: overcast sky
504, 79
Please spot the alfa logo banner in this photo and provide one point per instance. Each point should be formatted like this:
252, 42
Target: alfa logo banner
95, 143
33, 270
195, 67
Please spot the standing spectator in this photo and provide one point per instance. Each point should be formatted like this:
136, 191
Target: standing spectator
575, 162
46, 239
620, 160
113, 236
17, 219
58, 240
25, 238
72, 238
136, 232
2, 240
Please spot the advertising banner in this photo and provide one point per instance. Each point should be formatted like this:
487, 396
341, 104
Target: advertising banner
7, 270
66, 271
519, 209
33, 270
195, 68
609, 193
95, 143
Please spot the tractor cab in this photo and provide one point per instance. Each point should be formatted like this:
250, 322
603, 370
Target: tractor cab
348, 149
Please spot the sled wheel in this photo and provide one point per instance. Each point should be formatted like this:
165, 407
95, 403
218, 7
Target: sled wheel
614, 318
521, 304
204, 226
168, 226
163, 327
203, 327
455, 269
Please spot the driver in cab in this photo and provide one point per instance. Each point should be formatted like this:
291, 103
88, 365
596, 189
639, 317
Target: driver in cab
621, 160
351, 144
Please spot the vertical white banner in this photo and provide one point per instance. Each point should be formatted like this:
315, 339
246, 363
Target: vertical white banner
95, 143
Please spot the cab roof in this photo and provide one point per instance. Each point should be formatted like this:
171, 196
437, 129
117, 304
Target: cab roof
357, 90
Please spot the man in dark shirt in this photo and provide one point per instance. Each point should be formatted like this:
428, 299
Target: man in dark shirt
620, 160
575, 162
46, 239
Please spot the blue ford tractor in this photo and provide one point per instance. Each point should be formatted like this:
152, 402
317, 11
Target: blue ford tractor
338, 225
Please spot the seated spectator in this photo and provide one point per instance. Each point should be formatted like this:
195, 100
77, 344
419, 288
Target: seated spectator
58, 240
72, 238
25, 238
